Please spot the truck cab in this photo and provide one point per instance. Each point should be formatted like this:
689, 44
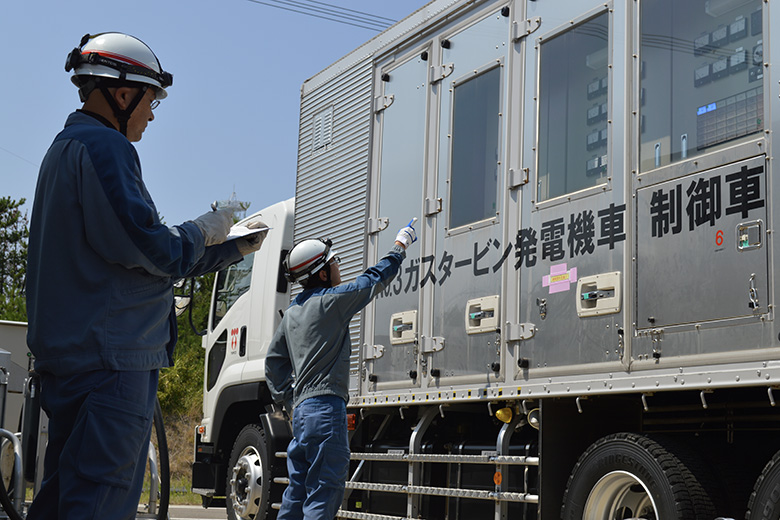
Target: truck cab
236, 401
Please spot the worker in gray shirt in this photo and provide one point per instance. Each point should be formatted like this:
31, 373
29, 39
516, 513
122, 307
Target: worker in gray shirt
307, 370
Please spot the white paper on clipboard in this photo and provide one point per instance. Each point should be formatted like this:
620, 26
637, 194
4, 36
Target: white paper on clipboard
243, 231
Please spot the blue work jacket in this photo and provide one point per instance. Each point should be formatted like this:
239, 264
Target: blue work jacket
100, 263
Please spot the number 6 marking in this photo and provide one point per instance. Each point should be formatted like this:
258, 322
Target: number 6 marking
719, 238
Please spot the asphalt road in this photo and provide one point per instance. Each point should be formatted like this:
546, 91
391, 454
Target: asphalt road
196, 513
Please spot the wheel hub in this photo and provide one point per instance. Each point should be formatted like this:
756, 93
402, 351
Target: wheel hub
619, 495
246, 484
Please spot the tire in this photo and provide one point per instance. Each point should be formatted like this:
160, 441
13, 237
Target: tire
764, 502
627, 475
249, 487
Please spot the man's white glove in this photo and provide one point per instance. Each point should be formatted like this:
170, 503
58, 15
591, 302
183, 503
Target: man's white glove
252, 243
215, 225
407, 235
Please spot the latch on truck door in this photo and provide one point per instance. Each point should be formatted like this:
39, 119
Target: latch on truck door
482, 315
599, 294
403, 327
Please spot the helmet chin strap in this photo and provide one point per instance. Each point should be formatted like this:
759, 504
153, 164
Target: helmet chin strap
327, 275
123, 116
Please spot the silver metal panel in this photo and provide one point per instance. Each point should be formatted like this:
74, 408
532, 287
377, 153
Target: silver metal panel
695, 282
332, 181
569, 355
401, 133
469, 258
691, 263
580, 233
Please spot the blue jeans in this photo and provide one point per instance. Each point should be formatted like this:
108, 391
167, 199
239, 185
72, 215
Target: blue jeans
317, 460
99, 428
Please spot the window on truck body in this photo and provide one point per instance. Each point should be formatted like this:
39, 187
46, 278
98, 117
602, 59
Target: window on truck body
474, 165
573, 109
701, 77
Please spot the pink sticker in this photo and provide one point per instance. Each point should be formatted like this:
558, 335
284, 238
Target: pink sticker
560, 278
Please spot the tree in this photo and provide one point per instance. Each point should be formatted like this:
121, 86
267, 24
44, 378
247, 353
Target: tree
13, 259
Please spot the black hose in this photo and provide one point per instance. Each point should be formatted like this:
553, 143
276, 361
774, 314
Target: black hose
163, 463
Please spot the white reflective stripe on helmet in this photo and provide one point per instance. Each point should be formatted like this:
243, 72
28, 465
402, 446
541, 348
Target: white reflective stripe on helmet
307, 257
307, 262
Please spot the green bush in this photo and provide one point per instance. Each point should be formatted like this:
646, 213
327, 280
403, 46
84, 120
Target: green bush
181, 386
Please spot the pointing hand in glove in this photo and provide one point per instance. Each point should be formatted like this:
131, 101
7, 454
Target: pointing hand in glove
407, 235
252, 243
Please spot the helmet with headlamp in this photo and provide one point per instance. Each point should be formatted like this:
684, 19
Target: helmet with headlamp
115, 59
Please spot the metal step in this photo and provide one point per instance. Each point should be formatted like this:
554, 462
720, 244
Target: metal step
354, 515
515, 460
446, 492
511, 460
434, 491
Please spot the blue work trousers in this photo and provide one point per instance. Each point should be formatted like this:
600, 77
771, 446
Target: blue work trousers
317, 460
99, 428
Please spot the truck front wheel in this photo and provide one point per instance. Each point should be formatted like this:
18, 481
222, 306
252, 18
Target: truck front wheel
626, 475
249, 477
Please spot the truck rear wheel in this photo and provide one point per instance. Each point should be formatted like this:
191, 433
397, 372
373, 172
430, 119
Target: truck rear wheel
627, 475
764, 503
249, 477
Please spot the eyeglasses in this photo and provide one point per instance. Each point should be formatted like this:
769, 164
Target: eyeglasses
155, 103
335, 260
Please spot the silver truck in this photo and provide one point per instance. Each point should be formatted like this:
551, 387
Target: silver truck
585, 328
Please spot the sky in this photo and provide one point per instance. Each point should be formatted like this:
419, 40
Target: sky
230, 121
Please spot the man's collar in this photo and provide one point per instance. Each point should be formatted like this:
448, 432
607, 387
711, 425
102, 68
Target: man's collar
98, 117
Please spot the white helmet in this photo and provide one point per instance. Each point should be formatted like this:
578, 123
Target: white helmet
116, 56
306, 258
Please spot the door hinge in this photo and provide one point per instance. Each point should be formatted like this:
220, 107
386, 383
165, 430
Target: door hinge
382, 102
375, 225
439, 72
522, 29
517, 177
520, 331
432, 344
432, 206
373, 351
